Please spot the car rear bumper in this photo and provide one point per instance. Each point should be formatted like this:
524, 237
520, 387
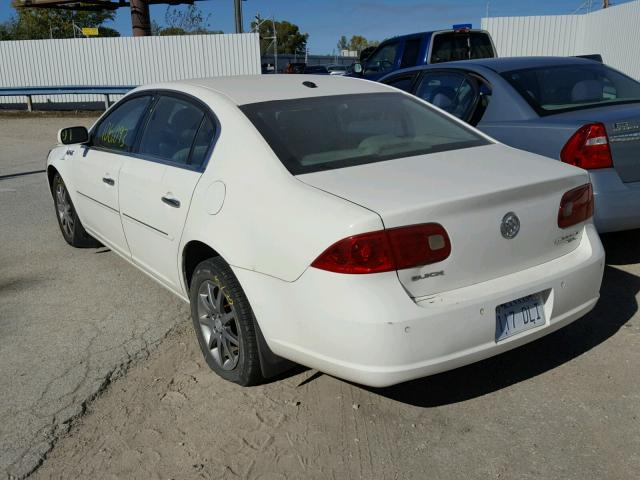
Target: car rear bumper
617, 204
365, 328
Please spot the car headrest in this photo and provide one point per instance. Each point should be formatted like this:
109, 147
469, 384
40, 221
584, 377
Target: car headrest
586, 90
441, 100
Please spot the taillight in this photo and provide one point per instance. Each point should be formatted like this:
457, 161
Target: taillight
387, 250
576, 206
588, 148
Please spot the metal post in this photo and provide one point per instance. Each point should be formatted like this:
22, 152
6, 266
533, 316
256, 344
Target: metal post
140, 18
106, 101
238, 12
29, 103
275, 45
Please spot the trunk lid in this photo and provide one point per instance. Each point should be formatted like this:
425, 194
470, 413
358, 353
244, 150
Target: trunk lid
468, 192
622, 123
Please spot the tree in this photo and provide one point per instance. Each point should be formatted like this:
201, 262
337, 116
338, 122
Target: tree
343, 43
41, 23
189, 21
359, 43
290, 40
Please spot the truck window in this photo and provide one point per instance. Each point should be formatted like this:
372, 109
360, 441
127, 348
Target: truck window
410, 53
383, 59
452, 46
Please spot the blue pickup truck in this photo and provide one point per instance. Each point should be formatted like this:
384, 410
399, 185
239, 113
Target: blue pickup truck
461, 42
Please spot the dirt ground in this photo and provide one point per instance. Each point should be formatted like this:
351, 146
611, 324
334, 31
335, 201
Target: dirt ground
567, 407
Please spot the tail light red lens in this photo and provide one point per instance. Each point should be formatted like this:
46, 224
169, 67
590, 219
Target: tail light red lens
576, 206
387, 250
588, 148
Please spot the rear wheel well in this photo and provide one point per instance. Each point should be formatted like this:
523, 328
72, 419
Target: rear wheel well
194, 253
51, 173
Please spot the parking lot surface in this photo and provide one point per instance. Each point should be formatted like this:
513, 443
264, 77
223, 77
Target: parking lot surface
70, 320
567, 406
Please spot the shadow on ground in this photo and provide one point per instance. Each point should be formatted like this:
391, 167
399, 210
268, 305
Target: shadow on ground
616, 307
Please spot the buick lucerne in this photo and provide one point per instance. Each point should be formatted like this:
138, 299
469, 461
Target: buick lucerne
333, 222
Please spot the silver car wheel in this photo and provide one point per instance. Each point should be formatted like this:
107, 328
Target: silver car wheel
65, 210
218, 324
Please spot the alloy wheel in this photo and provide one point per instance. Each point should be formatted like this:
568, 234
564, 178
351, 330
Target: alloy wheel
218, 324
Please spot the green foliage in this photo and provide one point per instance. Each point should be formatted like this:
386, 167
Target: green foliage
359, 43
41, 23
290, 40
184, 21
343, 43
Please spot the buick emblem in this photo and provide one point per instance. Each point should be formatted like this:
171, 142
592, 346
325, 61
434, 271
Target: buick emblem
510, 225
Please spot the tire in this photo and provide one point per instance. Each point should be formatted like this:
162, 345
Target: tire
68, 221
224, 323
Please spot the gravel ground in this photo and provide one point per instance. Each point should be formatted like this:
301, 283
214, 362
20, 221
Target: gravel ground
567, 406
62, 336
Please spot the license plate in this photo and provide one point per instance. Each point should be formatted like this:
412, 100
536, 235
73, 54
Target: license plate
519, 315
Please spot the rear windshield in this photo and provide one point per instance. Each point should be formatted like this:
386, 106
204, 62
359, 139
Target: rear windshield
563, 88
452, 46
324, 133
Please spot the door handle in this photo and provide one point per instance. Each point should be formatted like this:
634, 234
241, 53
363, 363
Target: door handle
172, 202
109, 181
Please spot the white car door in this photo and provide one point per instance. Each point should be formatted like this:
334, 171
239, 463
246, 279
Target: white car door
157, 183
96, 167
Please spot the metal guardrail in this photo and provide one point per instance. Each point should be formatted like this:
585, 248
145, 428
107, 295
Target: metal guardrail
29, 92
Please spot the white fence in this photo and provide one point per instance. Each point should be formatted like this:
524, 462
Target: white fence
613, 32
123, 61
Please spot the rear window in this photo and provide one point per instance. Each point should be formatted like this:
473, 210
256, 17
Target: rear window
452, 46
563, 88
324, 133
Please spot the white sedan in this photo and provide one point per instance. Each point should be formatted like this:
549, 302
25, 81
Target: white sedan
333, 222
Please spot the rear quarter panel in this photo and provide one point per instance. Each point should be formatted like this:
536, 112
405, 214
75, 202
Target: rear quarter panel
269, 221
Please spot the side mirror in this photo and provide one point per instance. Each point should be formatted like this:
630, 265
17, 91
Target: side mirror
71, 135
357, 67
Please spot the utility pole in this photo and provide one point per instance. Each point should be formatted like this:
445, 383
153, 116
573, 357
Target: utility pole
275, 45
140, 20
238, 11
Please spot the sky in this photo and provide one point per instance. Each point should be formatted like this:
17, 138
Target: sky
326, 20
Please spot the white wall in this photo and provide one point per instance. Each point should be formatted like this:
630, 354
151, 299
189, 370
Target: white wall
613, 32
123, 61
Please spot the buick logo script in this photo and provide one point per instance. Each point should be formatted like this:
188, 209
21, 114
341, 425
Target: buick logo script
510, 225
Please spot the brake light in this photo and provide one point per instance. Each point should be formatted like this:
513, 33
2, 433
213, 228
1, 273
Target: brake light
576, 206
387, 250
588, 148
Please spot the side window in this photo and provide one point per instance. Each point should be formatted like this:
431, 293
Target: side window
203, 140
452, 92
383, 59
171, 129
118, 130
403, 82
410, 53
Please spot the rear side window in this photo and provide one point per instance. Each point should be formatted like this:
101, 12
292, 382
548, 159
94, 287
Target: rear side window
410, 53
171, 130
117, 131
452, 46
403, 82
324, 133
202, 142
450, 91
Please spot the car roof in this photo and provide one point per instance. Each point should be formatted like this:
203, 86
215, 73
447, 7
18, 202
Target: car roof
506, 64
246, 89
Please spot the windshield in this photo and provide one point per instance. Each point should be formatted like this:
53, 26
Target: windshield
452, 46
563, 88
324, 133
